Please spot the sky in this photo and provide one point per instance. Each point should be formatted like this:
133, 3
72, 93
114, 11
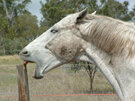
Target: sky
35, 6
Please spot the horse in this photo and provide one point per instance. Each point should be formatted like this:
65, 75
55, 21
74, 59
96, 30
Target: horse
106, 42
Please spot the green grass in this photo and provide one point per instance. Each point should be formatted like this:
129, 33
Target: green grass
57, 81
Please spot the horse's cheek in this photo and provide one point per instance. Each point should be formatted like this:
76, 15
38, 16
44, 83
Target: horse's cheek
65, 52
71, 50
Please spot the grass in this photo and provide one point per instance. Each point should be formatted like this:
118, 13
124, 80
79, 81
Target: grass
10, 60
57, 81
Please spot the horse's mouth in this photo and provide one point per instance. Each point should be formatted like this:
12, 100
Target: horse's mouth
26, 62
34, 76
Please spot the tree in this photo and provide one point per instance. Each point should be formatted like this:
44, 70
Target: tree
132, 13
3, 32
26, 27
54, 10
17, 26
13, 8
15, 37
91, 70
115, 9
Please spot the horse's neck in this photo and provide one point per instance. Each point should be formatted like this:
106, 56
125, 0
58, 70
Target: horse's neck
119, 71
102, 60
118, 68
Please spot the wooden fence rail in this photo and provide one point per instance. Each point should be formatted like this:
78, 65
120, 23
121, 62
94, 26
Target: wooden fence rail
23, 86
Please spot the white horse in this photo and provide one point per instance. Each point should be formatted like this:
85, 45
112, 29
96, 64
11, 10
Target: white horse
104, 41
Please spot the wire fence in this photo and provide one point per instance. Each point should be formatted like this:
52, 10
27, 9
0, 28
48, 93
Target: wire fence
58, 85
60, 95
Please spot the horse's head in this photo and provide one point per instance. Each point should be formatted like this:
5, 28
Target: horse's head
58, 45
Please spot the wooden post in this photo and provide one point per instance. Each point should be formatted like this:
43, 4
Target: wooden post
23, 86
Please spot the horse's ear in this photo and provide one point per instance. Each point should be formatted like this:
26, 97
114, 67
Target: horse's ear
82, 14
93, 13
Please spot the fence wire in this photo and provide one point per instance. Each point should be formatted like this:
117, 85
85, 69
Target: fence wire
58, 85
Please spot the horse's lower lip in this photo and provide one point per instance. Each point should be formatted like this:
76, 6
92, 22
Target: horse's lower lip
37, 77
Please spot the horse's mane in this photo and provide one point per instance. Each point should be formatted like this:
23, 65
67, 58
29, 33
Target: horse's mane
111, 35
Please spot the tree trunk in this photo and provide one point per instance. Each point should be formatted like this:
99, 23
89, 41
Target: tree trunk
9, 15
91, 84
91, 72
4, 51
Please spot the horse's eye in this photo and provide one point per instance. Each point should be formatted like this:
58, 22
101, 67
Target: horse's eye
54, 31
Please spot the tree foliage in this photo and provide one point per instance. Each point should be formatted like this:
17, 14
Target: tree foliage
54, 10
17, 26
91, 70
115, 9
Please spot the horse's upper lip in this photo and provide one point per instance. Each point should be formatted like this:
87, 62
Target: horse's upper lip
29, 61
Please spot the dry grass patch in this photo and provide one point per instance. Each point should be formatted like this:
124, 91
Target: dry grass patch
10, 60
57, 81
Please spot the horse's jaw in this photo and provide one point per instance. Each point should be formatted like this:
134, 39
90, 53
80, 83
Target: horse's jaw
38, 73
44, 60
42, 68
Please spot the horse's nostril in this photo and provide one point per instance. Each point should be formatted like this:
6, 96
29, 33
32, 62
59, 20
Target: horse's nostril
24, 53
